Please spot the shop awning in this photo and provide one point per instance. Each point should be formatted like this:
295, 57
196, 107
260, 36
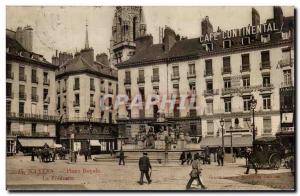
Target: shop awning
237, 141
95, 143
36, 142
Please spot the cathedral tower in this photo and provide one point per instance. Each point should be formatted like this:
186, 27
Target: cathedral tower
128, 25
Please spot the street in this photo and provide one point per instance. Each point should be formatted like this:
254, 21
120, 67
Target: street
24, 174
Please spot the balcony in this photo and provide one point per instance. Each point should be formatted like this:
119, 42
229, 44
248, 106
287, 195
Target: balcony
76, 104
175, 77
140, 80
76, 87
34, 98
47, 100
286, 84
22, 96
110, 91
286, 63
154, 79
31, 116
191, 75
265, 65
127, 81
10, 95
266, 87
210, 92
245, 68
22, 77
228, 91
192, 113
92, 104
46, 81
102, 89
34, 80
226, 70
208, 73
92, 87
9, 75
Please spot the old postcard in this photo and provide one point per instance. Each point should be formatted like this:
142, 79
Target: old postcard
138, 98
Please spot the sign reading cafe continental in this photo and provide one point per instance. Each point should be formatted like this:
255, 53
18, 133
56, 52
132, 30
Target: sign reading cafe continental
242, 32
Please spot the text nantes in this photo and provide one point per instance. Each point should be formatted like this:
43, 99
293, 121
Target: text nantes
245, 31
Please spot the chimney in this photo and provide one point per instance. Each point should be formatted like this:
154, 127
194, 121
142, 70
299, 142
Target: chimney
169, 38
206, 26
88, 55
27, 38
278, 16
144, 41
255, 17
102, 58
63, 57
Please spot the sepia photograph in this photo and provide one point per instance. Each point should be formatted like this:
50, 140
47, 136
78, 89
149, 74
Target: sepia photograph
150, 98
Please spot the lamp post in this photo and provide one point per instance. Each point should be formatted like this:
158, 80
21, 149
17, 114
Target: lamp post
253, 103
71, 141
89, 116
231, 148
222, 125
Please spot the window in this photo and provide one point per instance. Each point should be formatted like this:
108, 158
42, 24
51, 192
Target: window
77, 99
176, 71
141, 77
208, 47
226, 43
246, 82
8, 107
287, 79
247, 104
34, 93
8, 89
9, 71
33, 76
142, 93
45, 110
22, 94
246, 40
227, 83
226, 65
210, 127
8, 128
45, 93
286, 56
46, 80
156, 90
155, 72
245, 62
21, 108
128, 92
92, 84
267, 124
176, 89
33, 128
266, 80
58, 103
227, 104
246, 123
208, 67
209, 85
22, 74
91, 99
265, 59
127, 75
210, 107
192, 69
77, 84
267, 102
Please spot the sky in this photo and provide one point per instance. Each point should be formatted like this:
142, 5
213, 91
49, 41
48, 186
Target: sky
62, 28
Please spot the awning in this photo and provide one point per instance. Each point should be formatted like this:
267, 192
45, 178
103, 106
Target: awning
237, 141
57, 145
95, 143
36, 142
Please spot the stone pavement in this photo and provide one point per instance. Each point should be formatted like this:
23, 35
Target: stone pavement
91, 175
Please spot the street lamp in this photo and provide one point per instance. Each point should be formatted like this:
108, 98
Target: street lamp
253, 103
222, 125
89, 116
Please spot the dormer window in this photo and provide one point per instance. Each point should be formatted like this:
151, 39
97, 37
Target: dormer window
208, 47
246, 41
226, 43
265, 38
285, 35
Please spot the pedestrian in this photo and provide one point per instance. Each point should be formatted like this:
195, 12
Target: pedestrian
121, 157
85, 153
189, 158
39, 154
32, 154
220, 156
251, 161
195, 174
144, 165
196, 156
206, 155
54, 155
182, 158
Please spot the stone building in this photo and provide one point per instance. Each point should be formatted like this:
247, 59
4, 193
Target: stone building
30, 95
81, 83
222, 73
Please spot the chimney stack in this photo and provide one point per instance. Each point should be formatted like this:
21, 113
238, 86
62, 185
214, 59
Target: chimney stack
255, 17
169, 38
206, 26
102, 58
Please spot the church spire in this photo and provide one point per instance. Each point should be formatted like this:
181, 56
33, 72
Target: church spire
86, 46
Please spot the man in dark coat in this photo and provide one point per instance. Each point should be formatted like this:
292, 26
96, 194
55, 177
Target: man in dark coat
220, 156
32, 154
144, 165
206, 155
182, 158
189, 158
121, 157
251, 161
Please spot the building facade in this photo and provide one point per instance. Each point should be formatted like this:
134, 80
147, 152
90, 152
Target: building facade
81, 82
223, 73
30, 95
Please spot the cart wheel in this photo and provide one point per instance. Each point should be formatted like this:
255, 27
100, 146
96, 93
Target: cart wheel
274, 161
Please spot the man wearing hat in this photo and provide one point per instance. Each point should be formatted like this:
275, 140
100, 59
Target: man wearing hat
144, 165
251, 160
